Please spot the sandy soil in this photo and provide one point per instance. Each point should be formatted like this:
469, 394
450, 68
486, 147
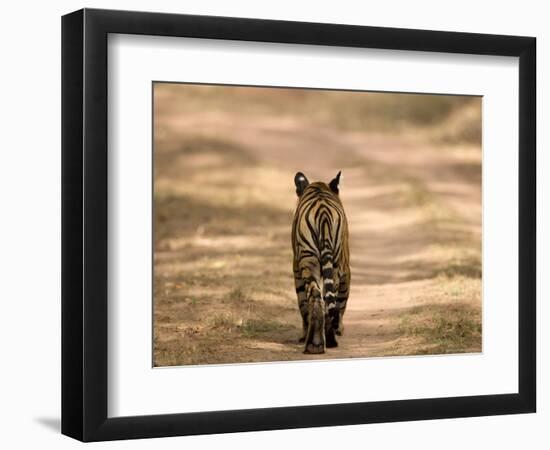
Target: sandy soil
224, 200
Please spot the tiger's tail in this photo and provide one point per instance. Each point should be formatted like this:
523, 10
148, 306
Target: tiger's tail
329, 288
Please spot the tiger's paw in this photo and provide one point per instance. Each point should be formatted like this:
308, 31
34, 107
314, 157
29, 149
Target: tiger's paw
313, 349
331, 340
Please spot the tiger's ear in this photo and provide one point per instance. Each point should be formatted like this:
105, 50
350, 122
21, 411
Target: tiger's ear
335, 184
301, 183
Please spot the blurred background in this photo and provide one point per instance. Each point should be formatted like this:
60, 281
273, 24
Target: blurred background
224, 198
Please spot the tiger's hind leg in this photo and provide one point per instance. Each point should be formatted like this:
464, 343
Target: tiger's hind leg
341, 301
312, 307
302, 301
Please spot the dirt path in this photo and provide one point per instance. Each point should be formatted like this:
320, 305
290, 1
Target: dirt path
224, 201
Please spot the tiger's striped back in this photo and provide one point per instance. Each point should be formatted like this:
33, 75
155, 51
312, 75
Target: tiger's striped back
321, 262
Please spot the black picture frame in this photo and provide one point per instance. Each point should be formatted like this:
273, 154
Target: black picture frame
84, 224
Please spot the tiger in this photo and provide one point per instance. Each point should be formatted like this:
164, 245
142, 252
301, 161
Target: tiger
320, 262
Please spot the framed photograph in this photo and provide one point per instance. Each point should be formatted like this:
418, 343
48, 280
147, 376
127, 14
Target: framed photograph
272, 224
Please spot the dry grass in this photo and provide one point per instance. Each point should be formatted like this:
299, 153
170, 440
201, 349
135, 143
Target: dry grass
345, 110
447, 321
